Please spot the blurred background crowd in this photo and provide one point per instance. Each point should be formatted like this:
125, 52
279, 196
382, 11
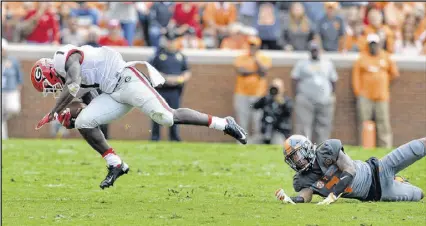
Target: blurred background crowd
374, 29
280, 25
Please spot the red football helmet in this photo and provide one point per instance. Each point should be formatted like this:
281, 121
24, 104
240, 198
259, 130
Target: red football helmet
45, 79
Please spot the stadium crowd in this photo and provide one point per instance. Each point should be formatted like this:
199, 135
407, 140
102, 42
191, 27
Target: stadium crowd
279, 25
392, 27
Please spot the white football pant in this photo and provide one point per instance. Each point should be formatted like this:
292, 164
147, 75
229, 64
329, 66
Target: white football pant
134, 90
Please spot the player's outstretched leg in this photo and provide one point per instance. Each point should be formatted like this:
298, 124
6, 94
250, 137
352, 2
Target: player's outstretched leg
137, 91
227, 125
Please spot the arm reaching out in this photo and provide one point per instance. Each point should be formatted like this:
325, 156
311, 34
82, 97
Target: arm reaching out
305, 195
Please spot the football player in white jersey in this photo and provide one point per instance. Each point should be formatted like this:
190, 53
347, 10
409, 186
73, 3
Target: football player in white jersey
75, 71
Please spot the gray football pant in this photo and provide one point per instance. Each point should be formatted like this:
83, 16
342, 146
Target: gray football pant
394, 162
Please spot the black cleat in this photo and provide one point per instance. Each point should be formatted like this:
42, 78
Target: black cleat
114, 172
235, 131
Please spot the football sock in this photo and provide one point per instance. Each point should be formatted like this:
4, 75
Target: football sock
111, 158
217, 123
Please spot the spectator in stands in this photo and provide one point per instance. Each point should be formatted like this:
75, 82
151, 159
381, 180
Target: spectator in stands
86, 15
11, 87
174, 67
247, 13
93, 36
298, 32
314, 10
236, 39
405, 43
186, 16
355, 41
40, 25
143, 15
268, 25
210, 39
372, 74
376, 26
314, 82
73, 34
159, 18
64, 14
218, 16
114, 37
189, 40
395, 13
126, 14
9, 23
251, 68
331, 28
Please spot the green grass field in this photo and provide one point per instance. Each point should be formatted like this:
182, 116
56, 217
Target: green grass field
52, 182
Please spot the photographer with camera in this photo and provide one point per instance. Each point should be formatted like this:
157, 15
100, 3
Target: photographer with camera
276, 120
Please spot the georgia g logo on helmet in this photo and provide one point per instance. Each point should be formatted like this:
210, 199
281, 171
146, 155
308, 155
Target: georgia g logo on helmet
38, 74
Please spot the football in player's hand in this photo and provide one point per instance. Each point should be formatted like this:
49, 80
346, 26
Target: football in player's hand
75, 108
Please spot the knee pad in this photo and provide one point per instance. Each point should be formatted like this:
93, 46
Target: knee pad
164, 118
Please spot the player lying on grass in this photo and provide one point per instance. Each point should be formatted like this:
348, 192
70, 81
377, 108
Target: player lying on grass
328, 171
75, 71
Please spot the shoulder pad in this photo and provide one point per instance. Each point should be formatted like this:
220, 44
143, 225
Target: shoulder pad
61, 56
327, 153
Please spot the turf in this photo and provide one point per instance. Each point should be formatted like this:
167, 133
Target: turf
52, 182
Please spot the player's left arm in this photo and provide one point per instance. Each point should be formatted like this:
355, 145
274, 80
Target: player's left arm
72, 83
347, 166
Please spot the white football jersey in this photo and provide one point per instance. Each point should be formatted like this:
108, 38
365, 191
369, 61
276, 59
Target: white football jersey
99, 66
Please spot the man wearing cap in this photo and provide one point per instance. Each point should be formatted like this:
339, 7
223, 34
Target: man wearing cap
114, 37
251, 68
314, 82
331, 28
11, 76
172, 64
372, 74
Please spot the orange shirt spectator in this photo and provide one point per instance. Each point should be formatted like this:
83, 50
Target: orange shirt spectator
250, 81
372, 74
46, 29
219, 14
114, 37
376, 26
395, 13
236, 40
